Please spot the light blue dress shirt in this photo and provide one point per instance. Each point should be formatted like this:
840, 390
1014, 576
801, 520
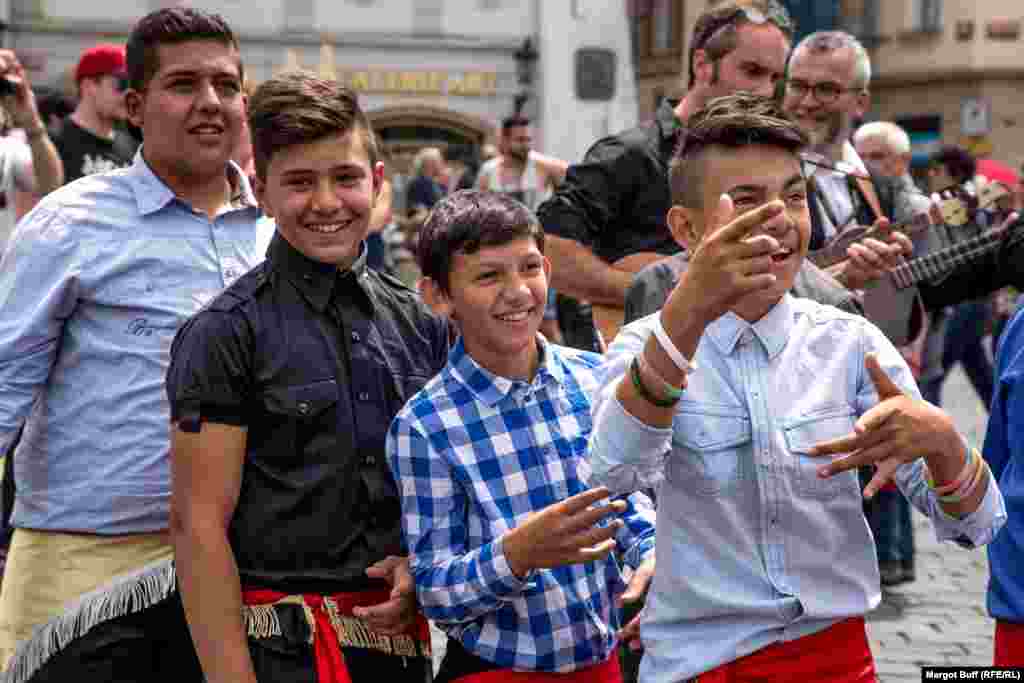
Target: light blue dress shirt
752, 546
96, 281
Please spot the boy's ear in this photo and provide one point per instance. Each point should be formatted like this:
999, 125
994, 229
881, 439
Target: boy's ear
434, 296
133, 105
259, 188
681, 223
378, 180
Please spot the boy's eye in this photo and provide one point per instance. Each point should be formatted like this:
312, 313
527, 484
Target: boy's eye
487, 275
796, 198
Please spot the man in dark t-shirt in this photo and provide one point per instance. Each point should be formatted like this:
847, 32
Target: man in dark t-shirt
90, 140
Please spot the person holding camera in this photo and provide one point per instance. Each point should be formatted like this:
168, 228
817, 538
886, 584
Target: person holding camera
29, 168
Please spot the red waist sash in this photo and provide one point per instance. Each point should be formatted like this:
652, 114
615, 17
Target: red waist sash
329, 633
839, 654
606, 672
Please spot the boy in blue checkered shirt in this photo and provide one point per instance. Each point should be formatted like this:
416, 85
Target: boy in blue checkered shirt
513, 555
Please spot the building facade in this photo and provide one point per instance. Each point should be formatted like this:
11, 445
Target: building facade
431, 72
949, 71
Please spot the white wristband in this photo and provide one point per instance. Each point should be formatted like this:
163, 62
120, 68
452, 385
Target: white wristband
671, 349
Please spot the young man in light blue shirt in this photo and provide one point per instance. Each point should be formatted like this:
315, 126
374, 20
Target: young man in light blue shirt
738, 399
92, 289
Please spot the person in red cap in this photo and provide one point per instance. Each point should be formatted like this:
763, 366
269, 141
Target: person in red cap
90, 140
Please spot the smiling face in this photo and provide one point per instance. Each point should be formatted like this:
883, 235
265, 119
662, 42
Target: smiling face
754, 175
825, 123
497, 295
321, 195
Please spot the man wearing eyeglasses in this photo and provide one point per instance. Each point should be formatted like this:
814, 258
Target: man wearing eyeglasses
607, 220
826, 91
90, 140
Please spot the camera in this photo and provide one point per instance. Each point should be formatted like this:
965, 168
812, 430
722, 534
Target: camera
7, 87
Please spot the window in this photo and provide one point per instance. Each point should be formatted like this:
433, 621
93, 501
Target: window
859, 17
657, 27
927, 15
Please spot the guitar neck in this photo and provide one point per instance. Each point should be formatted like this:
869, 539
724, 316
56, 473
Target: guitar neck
946, 260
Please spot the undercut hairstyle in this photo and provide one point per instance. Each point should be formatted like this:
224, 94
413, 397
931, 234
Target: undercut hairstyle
827, 42
894, 137
170, 26
715, 29
731, 122
959, 163
514, 122
298, 108
467, 220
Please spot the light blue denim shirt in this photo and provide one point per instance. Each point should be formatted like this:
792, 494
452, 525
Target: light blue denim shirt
753, 547
96, 281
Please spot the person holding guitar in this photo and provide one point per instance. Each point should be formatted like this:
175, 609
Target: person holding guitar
607, 220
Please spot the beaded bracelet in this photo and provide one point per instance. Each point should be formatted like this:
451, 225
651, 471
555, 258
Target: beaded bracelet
964, 492
964, 476
645, 393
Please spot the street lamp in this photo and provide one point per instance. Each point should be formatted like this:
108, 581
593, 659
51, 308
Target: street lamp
526, 65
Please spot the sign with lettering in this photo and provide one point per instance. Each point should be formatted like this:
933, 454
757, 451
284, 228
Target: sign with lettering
404, 82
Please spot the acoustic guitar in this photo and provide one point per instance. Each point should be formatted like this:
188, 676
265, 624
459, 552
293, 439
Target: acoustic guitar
957, 209
888, 301
608, 319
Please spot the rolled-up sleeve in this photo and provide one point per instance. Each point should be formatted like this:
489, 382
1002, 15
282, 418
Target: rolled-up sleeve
40, 277
626, 454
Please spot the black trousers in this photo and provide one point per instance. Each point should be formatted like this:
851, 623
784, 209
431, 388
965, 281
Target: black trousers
277, 661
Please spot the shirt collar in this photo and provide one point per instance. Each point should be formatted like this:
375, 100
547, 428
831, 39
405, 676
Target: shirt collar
153, 194
492, 389
773, 329
317, 280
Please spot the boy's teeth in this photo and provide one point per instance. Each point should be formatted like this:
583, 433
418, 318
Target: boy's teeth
514, 317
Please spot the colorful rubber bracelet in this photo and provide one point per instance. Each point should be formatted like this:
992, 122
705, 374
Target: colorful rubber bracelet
964, 476
965, 492
645, 393
667, 390
670, 348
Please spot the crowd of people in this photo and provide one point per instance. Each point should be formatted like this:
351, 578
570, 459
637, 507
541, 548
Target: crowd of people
658, 414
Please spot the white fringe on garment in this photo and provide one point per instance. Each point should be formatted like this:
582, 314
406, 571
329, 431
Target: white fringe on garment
127, 594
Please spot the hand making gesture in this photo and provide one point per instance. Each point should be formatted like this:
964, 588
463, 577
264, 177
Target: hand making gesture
899, 430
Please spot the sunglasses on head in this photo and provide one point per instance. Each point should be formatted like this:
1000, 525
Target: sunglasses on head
776, 15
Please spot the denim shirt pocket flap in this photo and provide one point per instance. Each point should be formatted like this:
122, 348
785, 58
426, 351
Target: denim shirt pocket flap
301, 400
708, 439
805, 432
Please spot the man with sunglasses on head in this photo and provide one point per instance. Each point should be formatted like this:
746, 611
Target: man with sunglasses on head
90, 140
606, 221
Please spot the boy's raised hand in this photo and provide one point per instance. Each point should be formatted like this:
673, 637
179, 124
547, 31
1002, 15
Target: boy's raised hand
726, 264
564, 533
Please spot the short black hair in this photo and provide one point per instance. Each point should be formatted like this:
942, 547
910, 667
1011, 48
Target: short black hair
516, 121
467, 220
733, 121
171, 25
959, 163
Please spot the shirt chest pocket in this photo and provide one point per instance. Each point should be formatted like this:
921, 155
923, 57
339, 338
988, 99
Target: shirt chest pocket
802, 433
300, 418
708, 442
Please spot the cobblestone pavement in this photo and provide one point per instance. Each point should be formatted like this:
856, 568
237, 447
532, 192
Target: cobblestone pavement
940, 618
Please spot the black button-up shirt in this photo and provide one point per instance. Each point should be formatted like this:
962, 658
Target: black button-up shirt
616, 200
315, 363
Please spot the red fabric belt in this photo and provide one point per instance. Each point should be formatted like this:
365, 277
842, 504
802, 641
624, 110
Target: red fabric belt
606, 672
330, 662
1009, 644
839, 654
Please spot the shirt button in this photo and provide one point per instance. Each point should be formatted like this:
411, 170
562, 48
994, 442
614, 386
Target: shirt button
303, 408
364, 396
355, 336
229, 273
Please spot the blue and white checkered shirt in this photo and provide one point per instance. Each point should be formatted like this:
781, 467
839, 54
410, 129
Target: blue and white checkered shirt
474, 454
